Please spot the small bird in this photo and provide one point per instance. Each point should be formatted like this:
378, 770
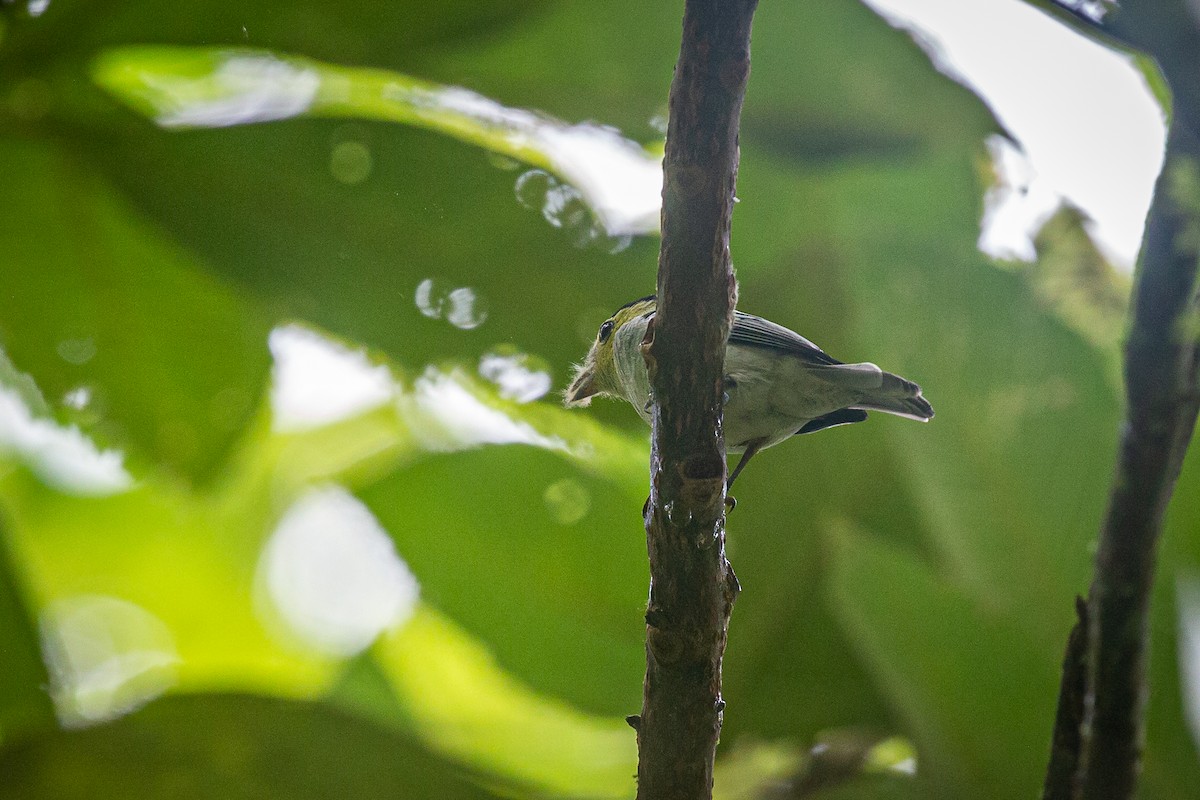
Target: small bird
777, 383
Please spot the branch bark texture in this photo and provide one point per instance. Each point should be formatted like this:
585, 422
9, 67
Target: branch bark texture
692, 585
1161, 386
1068, 720
1107, 653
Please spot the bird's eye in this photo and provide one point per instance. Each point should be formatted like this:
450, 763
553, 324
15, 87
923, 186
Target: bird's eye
606, 331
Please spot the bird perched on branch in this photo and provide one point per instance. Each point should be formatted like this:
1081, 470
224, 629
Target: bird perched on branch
777, 383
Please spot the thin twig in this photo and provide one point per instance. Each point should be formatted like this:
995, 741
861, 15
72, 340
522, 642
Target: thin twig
692, 586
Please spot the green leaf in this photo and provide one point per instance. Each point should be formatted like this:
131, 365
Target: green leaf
25, 387
25, 705
553, 582
442, 410
97, 300
1010, 478
171, 580
92, 555
59, 454
364, 31
977, 692
227, 747
261, 203
453, 695
1074, 279
204, 87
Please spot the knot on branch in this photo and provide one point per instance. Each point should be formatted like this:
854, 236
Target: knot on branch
666, 647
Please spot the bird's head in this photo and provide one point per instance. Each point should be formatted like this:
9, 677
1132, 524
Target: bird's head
597, 375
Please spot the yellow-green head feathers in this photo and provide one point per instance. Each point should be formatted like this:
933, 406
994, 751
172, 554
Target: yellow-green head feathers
598, 372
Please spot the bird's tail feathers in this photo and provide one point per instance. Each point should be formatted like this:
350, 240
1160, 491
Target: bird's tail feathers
900, 397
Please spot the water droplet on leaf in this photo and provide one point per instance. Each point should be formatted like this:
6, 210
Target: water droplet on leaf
567, 501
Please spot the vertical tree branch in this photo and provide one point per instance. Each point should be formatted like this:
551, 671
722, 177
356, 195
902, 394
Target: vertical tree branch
1160, 374
1100, 726
692, 586
1068, 721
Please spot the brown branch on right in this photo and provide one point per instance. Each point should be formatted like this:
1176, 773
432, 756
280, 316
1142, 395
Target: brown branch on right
1068, 720
1161, 385
1100, 730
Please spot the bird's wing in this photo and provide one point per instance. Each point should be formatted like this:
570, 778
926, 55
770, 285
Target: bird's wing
751, 331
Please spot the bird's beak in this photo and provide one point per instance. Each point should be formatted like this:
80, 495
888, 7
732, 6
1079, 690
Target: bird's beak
582, 387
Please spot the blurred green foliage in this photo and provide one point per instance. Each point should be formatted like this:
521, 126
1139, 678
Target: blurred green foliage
899, 579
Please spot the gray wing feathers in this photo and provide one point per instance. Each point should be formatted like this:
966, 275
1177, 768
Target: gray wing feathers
863, 387
751, 331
